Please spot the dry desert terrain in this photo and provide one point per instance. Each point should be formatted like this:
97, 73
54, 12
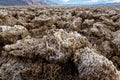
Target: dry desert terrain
59, 43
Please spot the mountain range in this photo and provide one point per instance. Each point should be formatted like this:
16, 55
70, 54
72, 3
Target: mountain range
97, 4
48, 2
25, 2
108, 4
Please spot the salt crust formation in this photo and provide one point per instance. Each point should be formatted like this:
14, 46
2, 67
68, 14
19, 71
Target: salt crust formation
62, 43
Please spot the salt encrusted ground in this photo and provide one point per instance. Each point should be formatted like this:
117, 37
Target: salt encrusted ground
59, 43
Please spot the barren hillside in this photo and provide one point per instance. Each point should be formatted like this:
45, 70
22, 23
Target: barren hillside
59, 43
12, 2
25, 2
31, 2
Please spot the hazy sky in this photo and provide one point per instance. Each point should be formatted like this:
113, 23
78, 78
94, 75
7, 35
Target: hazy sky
84, 1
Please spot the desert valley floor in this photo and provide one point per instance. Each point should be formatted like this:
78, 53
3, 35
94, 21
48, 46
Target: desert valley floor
59, 43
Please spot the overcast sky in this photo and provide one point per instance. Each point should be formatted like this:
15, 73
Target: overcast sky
84, 1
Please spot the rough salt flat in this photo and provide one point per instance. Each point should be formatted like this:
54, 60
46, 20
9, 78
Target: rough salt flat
59, 43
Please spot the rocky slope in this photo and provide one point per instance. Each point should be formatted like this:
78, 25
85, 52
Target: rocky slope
31, 2
47, 2
12, 2
62, 43
25, 2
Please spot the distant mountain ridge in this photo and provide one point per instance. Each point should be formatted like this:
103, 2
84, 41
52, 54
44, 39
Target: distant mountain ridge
12, 2
97, 4
31, 2
49, 2
25, 2
108, 4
